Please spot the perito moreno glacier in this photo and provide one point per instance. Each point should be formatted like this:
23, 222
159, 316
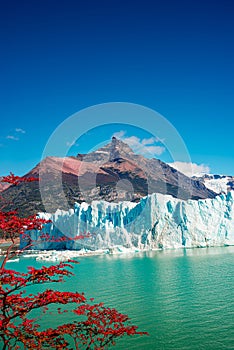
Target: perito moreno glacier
157, 221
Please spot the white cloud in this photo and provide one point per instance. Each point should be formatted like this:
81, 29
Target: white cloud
149, 141
12, 137
190, 169
119, 134
157, 150
133, 142
72, 143
21, 131
15, 135
144, 147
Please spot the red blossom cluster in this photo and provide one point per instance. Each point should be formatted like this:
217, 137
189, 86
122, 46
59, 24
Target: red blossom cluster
16, 180
94, 326
11, 224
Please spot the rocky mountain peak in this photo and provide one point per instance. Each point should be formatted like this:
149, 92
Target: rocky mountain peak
113, 173
119, 149
113, 150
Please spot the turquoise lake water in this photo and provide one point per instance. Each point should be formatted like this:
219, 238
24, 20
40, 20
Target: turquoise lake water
183, 298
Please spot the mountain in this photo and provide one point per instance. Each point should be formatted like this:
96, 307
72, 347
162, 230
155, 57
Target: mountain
112, 173
217, 183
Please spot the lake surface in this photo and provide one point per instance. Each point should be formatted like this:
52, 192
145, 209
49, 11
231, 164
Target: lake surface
183, 298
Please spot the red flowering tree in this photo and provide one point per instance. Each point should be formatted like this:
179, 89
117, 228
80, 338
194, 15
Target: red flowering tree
94, 327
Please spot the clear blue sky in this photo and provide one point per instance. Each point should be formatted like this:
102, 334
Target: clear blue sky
58, 57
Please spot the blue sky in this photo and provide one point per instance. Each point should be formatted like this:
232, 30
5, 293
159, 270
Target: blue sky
58, 57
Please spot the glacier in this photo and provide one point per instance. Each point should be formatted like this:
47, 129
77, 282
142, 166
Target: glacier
156, 222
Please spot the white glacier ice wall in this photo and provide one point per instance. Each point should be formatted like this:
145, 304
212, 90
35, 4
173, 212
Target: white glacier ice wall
157, 221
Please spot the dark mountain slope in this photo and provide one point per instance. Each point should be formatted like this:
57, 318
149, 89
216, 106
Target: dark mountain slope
112, 173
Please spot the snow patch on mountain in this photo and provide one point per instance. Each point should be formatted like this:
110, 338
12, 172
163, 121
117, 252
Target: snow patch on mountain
217, 183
